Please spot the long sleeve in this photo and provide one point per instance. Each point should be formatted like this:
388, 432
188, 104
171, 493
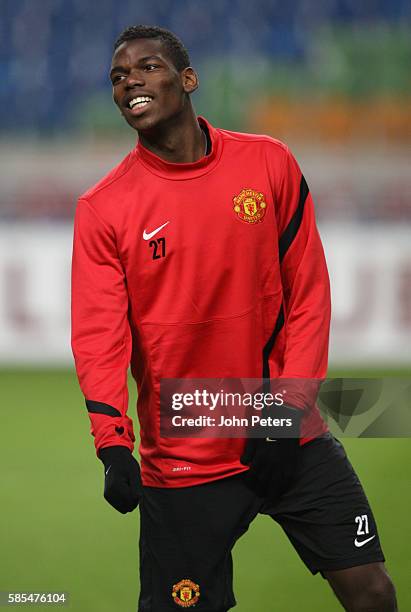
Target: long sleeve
306, 290
101, 337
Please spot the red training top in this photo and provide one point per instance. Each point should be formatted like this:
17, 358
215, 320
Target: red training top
200, 270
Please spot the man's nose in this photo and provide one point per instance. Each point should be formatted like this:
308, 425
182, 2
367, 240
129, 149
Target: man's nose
135, 78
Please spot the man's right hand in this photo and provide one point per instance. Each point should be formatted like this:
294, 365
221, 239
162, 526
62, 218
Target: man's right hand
122, 485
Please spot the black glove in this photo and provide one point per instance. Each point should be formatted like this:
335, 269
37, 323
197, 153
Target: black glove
273, 461
122, 485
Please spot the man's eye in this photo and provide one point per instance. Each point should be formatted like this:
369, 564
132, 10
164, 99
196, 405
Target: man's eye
150, 67
117, 78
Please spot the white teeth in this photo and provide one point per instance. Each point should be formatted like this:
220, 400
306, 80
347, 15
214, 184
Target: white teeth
140, 100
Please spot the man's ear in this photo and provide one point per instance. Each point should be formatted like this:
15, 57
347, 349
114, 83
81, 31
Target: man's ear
189, 79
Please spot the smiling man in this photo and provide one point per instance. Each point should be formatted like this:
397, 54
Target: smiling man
160, 283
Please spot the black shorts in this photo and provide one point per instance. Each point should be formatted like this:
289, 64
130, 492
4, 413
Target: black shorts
187, 534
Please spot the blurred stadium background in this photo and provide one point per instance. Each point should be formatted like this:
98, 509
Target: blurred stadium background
332, 79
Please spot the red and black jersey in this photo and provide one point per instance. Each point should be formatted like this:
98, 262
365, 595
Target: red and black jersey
211, 269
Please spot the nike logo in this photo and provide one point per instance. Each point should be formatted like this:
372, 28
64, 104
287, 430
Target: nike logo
147, 236
108, 469
362, 542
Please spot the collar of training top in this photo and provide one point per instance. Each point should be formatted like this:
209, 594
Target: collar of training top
179, 171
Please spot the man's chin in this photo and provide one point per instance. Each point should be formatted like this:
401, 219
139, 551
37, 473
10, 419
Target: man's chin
142, 123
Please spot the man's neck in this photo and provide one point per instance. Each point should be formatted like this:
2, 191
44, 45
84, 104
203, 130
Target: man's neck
178, 141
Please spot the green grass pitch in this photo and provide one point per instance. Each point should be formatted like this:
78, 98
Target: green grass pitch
58, 534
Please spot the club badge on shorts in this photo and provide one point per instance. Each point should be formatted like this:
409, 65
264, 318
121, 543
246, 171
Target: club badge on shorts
250, 206
186, 593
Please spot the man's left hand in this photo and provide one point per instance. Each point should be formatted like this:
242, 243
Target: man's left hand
273, 461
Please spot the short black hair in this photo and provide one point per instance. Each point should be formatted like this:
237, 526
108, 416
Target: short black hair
175, 48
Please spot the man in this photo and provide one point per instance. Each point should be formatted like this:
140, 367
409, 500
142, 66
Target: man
161, 282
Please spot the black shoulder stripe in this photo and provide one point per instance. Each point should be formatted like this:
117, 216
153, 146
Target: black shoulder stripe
270, 342
101, 408
292, 228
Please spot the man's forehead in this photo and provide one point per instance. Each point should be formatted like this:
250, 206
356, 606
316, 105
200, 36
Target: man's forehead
140, 48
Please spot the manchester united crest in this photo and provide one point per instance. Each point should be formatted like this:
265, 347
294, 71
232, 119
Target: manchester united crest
186, 593
250, 206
